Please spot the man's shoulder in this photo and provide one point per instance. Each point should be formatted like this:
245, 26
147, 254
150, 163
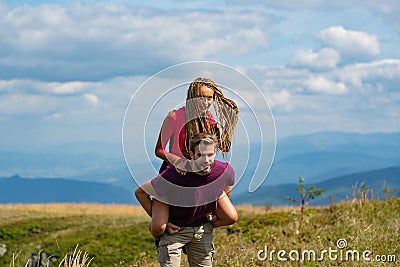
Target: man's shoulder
168, 177
222, 167
221, 164
169, 173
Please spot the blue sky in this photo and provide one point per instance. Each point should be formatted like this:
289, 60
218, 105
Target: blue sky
68, 69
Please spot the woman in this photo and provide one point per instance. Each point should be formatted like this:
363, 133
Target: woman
193, 118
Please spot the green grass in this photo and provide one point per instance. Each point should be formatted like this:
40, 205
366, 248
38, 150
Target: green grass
120, 239
374, 225
113, 240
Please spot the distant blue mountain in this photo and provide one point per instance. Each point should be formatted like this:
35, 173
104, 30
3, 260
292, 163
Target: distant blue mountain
317, 157
320, 165
382, 145
322, 155
338, 189
56, 190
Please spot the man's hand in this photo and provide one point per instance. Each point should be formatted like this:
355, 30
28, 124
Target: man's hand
172, 228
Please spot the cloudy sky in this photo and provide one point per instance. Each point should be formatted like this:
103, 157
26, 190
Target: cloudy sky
68, 69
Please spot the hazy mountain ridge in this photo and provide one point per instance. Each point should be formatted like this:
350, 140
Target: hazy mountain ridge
16, 189
316, 157
337, 189
323, 155
45, 190
320, 165
374, 144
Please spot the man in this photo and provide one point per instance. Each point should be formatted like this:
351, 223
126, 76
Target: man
181, 204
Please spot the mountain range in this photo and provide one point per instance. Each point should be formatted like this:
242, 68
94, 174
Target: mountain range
317, 157
337, 189
16, 189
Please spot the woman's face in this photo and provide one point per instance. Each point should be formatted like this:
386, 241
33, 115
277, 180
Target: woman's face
205, 99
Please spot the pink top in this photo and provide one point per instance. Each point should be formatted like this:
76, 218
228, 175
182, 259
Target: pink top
175, 133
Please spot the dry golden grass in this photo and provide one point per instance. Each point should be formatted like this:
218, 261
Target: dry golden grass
78, 209
250, 210
117, 209
247, 209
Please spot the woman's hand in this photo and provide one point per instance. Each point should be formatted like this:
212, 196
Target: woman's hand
180, 164
181, 167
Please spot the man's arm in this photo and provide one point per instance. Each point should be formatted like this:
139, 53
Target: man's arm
143, 193
226, 212
227, 190
159, 220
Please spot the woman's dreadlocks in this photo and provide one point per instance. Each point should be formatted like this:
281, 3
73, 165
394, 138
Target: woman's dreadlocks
226, 111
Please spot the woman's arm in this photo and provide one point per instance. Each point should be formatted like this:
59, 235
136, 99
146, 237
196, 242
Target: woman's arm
164, 137
166, 132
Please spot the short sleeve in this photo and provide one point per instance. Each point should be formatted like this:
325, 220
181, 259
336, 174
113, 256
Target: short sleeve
157, 184
230, 175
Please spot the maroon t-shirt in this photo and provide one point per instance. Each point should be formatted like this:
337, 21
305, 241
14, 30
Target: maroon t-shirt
196, 194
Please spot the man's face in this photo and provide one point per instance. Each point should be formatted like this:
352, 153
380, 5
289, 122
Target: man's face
203, 156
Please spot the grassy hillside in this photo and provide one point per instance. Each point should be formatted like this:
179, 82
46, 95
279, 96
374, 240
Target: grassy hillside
116, 235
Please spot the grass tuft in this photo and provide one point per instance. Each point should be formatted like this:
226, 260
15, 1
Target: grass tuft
75, 260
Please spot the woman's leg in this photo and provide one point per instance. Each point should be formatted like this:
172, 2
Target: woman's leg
226, 212
159, 218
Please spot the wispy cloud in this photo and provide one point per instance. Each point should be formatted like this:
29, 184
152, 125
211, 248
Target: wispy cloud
71, 68
103, 40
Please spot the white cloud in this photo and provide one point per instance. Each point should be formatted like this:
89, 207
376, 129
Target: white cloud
91, 99
326, 58
27, 105
54, 116
351, 44
95, 41
372, 75
67, 87
44, 88
322, 85
74, 101
38, 98
280, 100
50, 53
